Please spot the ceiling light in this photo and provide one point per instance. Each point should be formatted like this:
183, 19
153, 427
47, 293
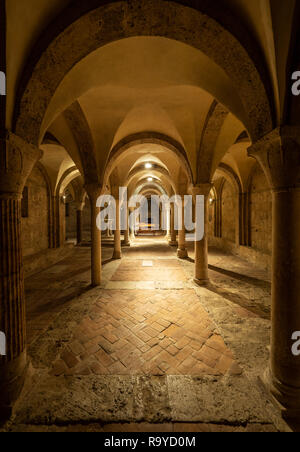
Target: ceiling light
150, 179
148, 165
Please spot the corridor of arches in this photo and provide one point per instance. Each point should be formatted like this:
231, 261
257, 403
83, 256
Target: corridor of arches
132, 326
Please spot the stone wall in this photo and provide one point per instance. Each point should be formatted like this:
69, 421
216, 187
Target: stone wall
86, 221
260, 253
229, 212
35, 236
71, 222
261, 213
211, 220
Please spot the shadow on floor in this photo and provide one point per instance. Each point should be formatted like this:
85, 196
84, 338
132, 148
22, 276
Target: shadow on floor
245, 278
238, 276
260, 311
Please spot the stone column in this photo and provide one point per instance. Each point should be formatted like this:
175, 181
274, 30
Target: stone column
117, 233
244, 220
126, 232
182, 251
94, 191
17, 161
51, 223
131, 226
168, 232
79, 225
173, 241
108, 230
218, 214
201, 247
279, 155
55, 226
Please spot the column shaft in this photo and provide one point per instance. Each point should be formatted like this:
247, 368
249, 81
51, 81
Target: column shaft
278, 154
201, 246
12, 302
126, 232
182, 251
79, 226
201, 252
117, 233
94, 191
17, 159
285, 367
173, 241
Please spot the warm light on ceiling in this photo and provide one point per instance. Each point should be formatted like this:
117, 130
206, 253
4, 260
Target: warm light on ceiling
148, 165
150, 179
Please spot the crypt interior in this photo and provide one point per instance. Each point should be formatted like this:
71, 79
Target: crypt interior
130, 330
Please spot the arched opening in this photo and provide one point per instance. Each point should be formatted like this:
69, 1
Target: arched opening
148, 318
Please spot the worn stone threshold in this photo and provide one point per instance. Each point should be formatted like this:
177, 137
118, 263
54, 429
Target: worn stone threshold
85, 400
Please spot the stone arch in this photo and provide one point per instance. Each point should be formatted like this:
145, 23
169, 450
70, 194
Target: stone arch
157, 172
230, 174
83, 136
153, 186
96, 26
214, 121
151, 138
58, 230
66, 179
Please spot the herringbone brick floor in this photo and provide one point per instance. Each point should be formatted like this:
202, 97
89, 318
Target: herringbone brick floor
146, 332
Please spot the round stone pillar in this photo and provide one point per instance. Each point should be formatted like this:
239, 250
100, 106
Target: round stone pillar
173, 241
126, 232
12, 300
182, 251
17, 159
279, 155
117, 233
201, 246
79, 226
285, 366
94, 191
131, 224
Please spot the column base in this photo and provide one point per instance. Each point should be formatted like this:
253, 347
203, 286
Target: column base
201, 282
171, 243
12, 380
117, 255
182, 254
126, 244
287, 398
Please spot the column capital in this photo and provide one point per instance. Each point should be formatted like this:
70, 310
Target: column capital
94, 190
279, 155
201, 189
17, 159
79, 206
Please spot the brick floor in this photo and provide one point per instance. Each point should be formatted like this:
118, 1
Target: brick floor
130, 332
152, 332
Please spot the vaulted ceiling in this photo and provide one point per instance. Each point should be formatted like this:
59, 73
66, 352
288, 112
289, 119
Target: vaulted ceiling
168, 99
